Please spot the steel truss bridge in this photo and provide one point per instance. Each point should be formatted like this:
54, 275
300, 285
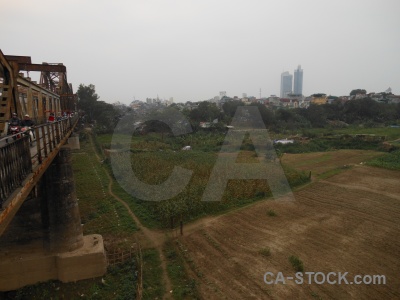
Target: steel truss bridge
22, 163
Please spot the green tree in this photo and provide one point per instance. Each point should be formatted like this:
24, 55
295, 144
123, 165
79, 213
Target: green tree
105, 115
266, 114
205, 112
87, 99
230, 107
358, 91
316, 115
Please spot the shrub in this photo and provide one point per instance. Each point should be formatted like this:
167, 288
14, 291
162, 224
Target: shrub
296, 263
265, 252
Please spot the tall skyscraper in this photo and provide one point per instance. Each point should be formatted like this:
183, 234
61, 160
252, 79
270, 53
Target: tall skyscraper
286, 84
298, 81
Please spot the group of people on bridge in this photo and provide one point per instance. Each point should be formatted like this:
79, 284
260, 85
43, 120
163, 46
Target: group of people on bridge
15, 121
27, 121
26, 125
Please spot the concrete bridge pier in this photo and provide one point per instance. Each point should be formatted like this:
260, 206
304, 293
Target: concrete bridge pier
45, 241
60, 211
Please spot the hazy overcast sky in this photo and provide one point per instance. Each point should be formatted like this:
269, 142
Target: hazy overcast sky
192, 49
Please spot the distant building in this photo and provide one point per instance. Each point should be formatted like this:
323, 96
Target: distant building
286, 84
298, 97
298, 81
319, 99
394, 99
306, 102
274, 100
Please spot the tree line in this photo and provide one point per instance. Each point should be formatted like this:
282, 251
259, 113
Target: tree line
359, 111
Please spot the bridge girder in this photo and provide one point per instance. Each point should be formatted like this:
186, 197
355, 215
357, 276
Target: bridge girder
20, 95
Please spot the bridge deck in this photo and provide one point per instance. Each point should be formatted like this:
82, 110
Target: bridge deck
22, 164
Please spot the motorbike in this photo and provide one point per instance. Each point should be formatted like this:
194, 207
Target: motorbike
14, 130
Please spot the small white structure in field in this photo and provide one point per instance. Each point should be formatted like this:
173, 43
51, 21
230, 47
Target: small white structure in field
285, 141
186, 148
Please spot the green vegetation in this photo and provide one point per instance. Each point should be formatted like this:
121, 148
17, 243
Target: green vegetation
103, 113
265, 252
388, 161
153, 285
184, 287
271, 213
329, 144
297, 264
119, 283
100, 212
147, 157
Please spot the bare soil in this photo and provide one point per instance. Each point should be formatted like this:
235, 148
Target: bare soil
321, 162
347, 223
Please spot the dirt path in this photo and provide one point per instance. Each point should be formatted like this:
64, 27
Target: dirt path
156, 238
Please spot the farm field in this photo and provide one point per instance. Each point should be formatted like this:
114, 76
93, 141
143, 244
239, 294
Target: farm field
346, 223
328, 163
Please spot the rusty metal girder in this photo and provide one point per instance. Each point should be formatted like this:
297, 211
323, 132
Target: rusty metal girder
19, 59
42, 67
35, 87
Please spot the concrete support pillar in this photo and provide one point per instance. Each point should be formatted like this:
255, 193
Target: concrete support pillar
60, 212
51, 218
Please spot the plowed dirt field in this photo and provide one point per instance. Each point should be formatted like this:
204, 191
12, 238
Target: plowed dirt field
347, 223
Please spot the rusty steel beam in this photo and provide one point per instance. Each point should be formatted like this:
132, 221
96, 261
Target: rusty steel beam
42, 68
18, 197
35, 87
19, 59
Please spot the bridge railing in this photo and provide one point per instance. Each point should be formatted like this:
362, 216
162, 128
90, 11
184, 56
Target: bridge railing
20, 156
48, 136
15, 165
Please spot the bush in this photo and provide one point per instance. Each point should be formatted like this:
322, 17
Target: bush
265, 252
297, 264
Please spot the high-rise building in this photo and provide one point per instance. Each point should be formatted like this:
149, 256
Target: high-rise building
286, 84
298, 81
